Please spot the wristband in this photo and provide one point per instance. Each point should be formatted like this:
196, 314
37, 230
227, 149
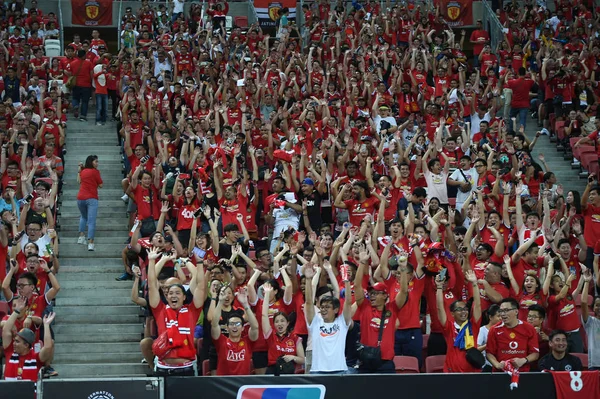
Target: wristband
49, 272
16, 311
414, 245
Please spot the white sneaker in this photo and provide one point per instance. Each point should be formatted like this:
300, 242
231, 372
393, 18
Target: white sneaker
81, 240
90, 247
125, 198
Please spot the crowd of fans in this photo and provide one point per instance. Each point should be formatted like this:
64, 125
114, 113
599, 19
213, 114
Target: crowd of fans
317, 200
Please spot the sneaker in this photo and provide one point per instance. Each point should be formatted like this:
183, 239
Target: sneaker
81, 240
83, 119
50, 372
144, 361
98, 124
545, 131
91, 246
124, 277
125, 198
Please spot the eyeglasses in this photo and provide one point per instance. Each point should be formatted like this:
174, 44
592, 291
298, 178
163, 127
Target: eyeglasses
530, 316
235, 324
23, 285
460, 310
503, 311
326, 307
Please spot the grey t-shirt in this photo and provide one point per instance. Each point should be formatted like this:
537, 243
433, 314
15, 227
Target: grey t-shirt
592, 329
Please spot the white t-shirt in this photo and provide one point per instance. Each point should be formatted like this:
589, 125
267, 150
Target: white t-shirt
328, 343
41, 243
482, 340
178, 6
476, 120
592, 329
388, 119
436, 186
471, 175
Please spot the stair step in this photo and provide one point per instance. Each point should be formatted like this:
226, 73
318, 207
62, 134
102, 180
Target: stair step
99, 311
70, 227
124, 292
93, 267
84, 358
90, 276
115, 347
76, 370
103, 213
98, 285
97, 319
117, 237
85, 329
94, 338
93, 301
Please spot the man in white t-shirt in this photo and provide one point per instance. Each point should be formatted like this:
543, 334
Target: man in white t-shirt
436, 177
327, 329
591, 323
464, 177
482, 114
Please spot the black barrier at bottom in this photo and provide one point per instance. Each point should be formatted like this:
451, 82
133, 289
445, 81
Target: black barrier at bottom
406, 386
17, 390
118, 388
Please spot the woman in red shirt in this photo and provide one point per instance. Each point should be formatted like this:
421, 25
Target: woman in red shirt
284, 347
529, 294
87, 199
186, 205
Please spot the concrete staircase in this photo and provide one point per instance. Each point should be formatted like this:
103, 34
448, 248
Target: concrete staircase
565, 175
98, 328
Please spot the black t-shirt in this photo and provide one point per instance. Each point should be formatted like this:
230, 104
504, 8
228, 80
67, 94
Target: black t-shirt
313, 208
225, 249
567, 363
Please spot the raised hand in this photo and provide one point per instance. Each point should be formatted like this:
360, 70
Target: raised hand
153, 254
49, 318
470, 276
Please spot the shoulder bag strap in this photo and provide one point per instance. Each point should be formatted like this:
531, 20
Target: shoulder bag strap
381, 325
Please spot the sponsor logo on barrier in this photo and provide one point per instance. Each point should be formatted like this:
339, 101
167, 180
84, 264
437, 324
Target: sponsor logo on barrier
101, 395
281, 392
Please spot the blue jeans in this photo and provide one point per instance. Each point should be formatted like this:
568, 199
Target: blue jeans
522, 119
81, 95
89, 210
409, 343
101, 107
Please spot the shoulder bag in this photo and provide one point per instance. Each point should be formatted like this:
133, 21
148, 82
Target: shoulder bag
370, 356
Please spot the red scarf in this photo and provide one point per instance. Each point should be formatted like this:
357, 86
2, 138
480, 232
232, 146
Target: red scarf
180, 330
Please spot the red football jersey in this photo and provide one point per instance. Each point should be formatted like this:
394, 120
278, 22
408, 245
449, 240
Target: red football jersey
233, 357
508, 343
576, 384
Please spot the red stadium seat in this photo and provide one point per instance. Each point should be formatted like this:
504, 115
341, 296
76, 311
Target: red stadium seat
560, 129
299, 369
594, 169
435, 364
206, 367
240, 21
452, 202
584, 359
4, 309
587, 158
424, 351
406, 364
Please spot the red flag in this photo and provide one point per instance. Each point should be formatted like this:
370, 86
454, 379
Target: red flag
91, 12
456, 12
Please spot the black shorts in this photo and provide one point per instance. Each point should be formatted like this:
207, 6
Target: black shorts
260, 360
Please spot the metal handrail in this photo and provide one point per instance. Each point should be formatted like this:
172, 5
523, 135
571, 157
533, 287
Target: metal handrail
62, 28
492, 24
253, 9
119, 25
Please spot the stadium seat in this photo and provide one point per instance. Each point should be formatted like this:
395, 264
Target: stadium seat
587, 158
584, 359
560, 129
206, 367
299, 369
52, 50
4, 309
581, 149
406, 364
594, 169
52, 42
424, 350
435, 364
452, 202
240, 21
